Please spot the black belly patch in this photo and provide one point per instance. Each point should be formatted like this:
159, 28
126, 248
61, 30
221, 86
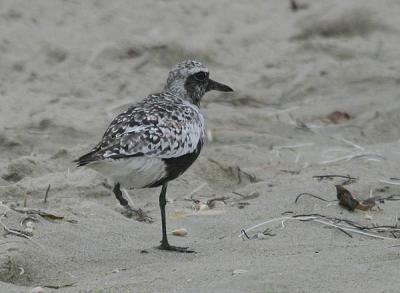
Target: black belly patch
175, 167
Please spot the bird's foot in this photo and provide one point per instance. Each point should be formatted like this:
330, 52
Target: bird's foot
175, 248
137, 214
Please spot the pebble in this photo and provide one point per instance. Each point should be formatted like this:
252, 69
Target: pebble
179, 232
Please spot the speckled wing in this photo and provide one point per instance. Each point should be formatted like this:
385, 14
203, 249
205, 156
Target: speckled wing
160, 126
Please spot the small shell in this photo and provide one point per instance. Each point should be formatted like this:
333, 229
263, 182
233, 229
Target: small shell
179, 232
203, 207
37, 290
200, 206
239, 272
30, 225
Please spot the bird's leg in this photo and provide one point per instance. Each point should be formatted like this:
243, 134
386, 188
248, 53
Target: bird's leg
164, 242
118, 194
163, 203
128, 210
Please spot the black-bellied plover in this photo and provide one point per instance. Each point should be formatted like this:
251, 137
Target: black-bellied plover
156, 140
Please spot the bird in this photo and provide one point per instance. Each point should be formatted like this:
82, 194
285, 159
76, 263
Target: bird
157, 139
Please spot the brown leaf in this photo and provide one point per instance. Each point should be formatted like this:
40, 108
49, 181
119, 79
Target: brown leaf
338, 117
366, 204
345, 198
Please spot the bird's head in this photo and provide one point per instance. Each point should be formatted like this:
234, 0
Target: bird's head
190, 80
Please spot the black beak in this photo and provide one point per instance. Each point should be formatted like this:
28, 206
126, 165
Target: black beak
216, 86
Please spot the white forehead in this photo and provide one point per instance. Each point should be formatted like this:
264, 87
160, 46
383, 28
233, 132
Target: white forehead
189, 67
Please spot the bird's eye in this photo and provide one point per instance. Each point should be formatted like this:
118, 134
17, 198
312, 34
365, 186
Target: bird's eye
200, 76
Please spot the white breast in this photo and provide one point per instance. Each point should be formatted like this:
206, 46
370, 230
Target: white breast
135, 172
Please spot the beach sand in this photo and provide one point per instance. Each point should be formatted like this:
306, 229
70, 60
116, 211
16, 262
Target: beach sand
66, 66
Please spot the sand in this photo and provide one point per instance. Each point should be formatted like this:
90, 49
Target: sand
66, 66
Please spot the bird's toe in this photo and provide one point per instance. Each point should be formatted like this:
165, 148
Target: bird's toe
176, 248
137, 214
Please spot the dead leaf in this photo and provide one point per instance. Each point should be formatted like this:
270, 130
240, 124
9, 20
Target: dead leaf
366, 204
338, 117
347, 200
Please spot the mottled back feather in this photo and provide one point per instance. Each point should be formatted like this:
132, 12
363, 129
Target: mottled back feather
162, 125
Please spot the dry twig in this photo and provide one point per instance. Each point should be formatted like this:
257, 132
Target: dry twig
343, 225
312, 195
43, 214
47, 193
348, 178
